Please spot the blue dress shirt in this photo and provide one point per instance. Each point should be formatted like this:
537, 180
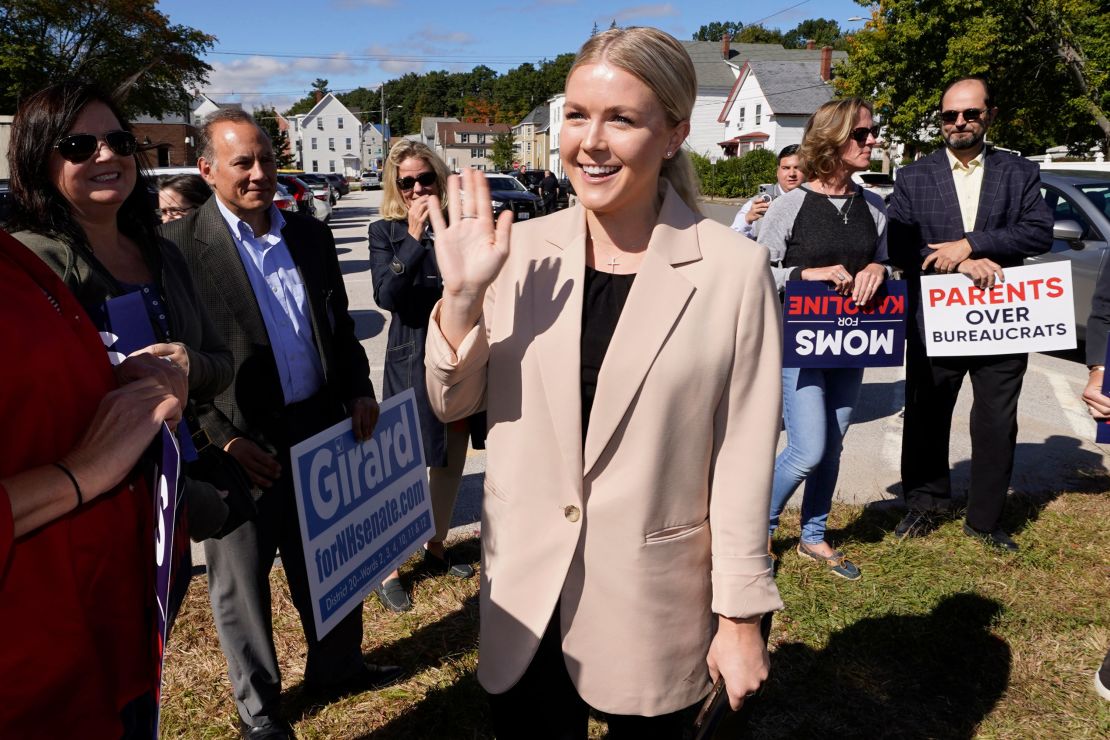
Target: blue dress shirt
283, 302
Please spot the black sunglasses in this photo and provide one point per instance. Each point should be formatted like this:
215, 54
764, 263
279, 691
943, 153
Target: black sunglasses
970, 115
77, 148
424, 178
859, 135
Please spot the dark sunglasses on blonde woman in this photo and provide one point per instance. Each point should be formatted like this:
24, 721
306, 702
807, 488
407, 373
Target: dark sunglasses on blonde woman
77, 148
426, 179
859, 135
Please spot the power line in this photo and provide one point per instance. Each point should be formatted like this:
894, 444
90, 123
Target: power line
778, 12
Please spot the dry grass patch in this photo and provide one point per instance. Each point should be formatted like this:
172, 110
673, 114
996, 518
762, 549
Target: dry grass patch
940, 639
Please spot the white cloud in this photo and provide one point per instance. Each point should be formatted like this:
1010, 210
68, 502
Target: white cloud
658, 10
400, 63
246, 80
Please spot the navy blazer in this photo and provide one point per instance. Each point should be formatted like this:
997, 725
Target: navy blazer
1013, 221
407, 283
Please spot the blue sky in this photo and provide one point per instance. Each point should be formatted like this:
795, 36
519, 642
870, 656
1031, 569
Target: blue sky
270, 52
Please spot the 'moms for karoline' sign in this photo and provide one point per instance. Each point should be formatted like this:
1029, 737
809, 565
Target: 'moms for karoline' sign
1032, 311
364, 507
822, 328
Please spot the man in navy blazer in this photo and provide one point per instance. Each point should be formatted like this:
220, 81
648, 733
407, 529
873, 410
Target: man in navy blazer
968, 209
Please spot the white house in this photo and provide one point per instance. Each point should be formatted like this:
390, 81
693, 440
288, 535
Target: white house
718, 67
329, 138
555, 105
374, 146
770, 103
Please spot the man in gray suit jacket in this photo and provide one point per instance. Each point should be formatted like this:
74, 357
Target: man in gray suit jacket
272, 285
968, 209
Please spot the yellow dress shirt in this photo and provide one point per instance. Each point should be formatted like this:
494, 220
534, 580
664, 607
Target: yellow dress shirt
969, 181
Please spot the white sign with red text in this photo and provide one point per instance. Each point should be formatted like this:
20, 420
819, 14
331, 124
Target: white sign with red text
1031, 311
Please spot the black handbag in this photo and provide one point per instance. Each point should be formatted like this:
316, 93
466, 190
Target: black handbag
226, 480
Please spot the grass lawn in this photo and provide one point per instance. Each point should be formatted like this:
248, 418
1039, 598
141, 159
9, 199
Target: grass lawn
939, 639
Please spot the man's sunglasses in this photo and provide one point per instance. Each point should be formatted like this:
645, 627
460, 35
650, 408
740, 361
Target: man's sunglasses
427, 179
859, 135
970, 115
77, 148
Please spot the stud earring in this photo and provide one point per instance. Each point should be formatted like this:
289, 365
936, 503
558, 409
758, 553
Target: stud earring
667, 155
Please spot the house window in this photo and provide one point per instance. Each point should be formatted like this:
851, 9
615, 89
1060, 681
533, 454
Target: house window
341, 122
331, 165
348, 144
740, 123
320, 123
331, 143
758, 114
313, 142
481, 138
315, 166
464, 138
477, 153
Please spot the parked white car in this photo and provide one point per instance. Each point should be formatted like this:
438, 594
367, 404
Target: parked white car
371, 181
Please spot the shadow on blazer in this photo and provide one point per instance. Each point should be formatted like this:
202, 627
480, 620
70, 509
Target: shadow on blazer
659, 520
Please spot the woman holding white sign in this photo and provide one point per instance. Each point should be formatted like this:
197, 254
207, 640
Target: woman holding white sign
833, 231
626, 351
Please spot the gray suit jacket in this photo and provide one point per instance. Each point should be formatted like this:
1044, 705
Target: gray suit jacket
253, 404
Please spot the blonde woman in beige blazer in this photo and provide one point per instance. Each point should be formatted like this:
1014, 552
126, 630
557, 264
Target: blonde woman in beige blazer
624, 564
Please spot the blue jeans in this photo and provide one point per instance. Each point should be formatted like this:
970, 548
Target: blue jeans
816, 408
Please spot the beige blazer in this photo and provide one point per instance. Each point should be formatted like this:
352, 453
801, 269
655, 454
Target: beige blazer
661, 521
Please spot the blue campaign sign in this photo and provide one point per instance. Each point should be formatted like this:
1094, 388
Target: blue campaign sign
823, 329
364, 506
1102, 433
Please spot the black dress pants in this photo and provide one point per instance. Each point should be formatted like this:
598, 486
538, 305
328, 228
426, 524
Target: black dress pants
544, 705
932, 385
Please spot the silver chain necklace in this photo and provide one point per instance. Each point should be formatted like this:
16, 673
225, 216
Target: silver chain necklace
842, 211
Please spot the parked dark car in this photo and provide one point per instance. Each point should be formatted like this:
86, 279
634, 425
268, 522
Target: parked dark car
338, 182
301, 191
507, 193
6, 201
565, 191
1080, 205
319, 181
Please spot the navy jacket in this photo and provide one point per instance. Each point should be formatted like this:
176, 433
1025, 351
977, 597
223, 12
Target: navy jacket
1013, 221
407, 283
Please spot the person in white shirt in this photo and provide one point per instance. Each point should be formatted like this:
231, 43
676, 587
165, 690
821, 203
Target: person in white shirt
788, 175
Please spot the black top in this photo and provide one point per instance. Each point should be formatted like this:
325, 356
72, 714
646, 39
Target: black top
605, 295
830, 230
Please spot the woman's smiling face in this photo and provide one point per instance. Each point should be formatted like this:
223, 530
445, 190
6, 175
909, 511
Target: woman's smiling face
614, 138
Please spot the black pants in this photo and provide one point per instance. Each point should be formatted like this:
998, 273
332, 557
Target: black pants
932, 385
544, 705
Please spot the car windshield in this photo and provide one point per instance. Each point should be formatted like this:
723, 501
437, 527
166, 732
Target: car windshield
505, 183
1099, 194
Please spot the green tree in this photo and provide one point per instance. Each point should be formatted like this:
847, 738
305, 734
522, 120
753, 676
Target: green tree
716, 30
758, 35
308, 102
501, 154
126, 46
821, 31
268, 121
1048, 62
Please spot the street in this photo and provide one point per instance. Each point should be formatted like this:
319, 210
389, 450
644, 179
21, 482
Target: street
1055, 447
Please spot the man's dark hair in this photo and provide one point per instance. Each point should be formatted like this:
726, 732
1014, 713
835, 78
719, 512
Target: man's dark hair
40, 121
223, 115
788, 151
978, 78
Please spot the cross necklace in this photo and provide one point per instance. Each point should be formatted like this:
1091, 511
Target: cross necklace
613, 262
843, 210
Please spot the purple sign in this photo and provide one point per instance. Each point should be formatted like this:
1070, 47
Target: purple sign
824, 329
